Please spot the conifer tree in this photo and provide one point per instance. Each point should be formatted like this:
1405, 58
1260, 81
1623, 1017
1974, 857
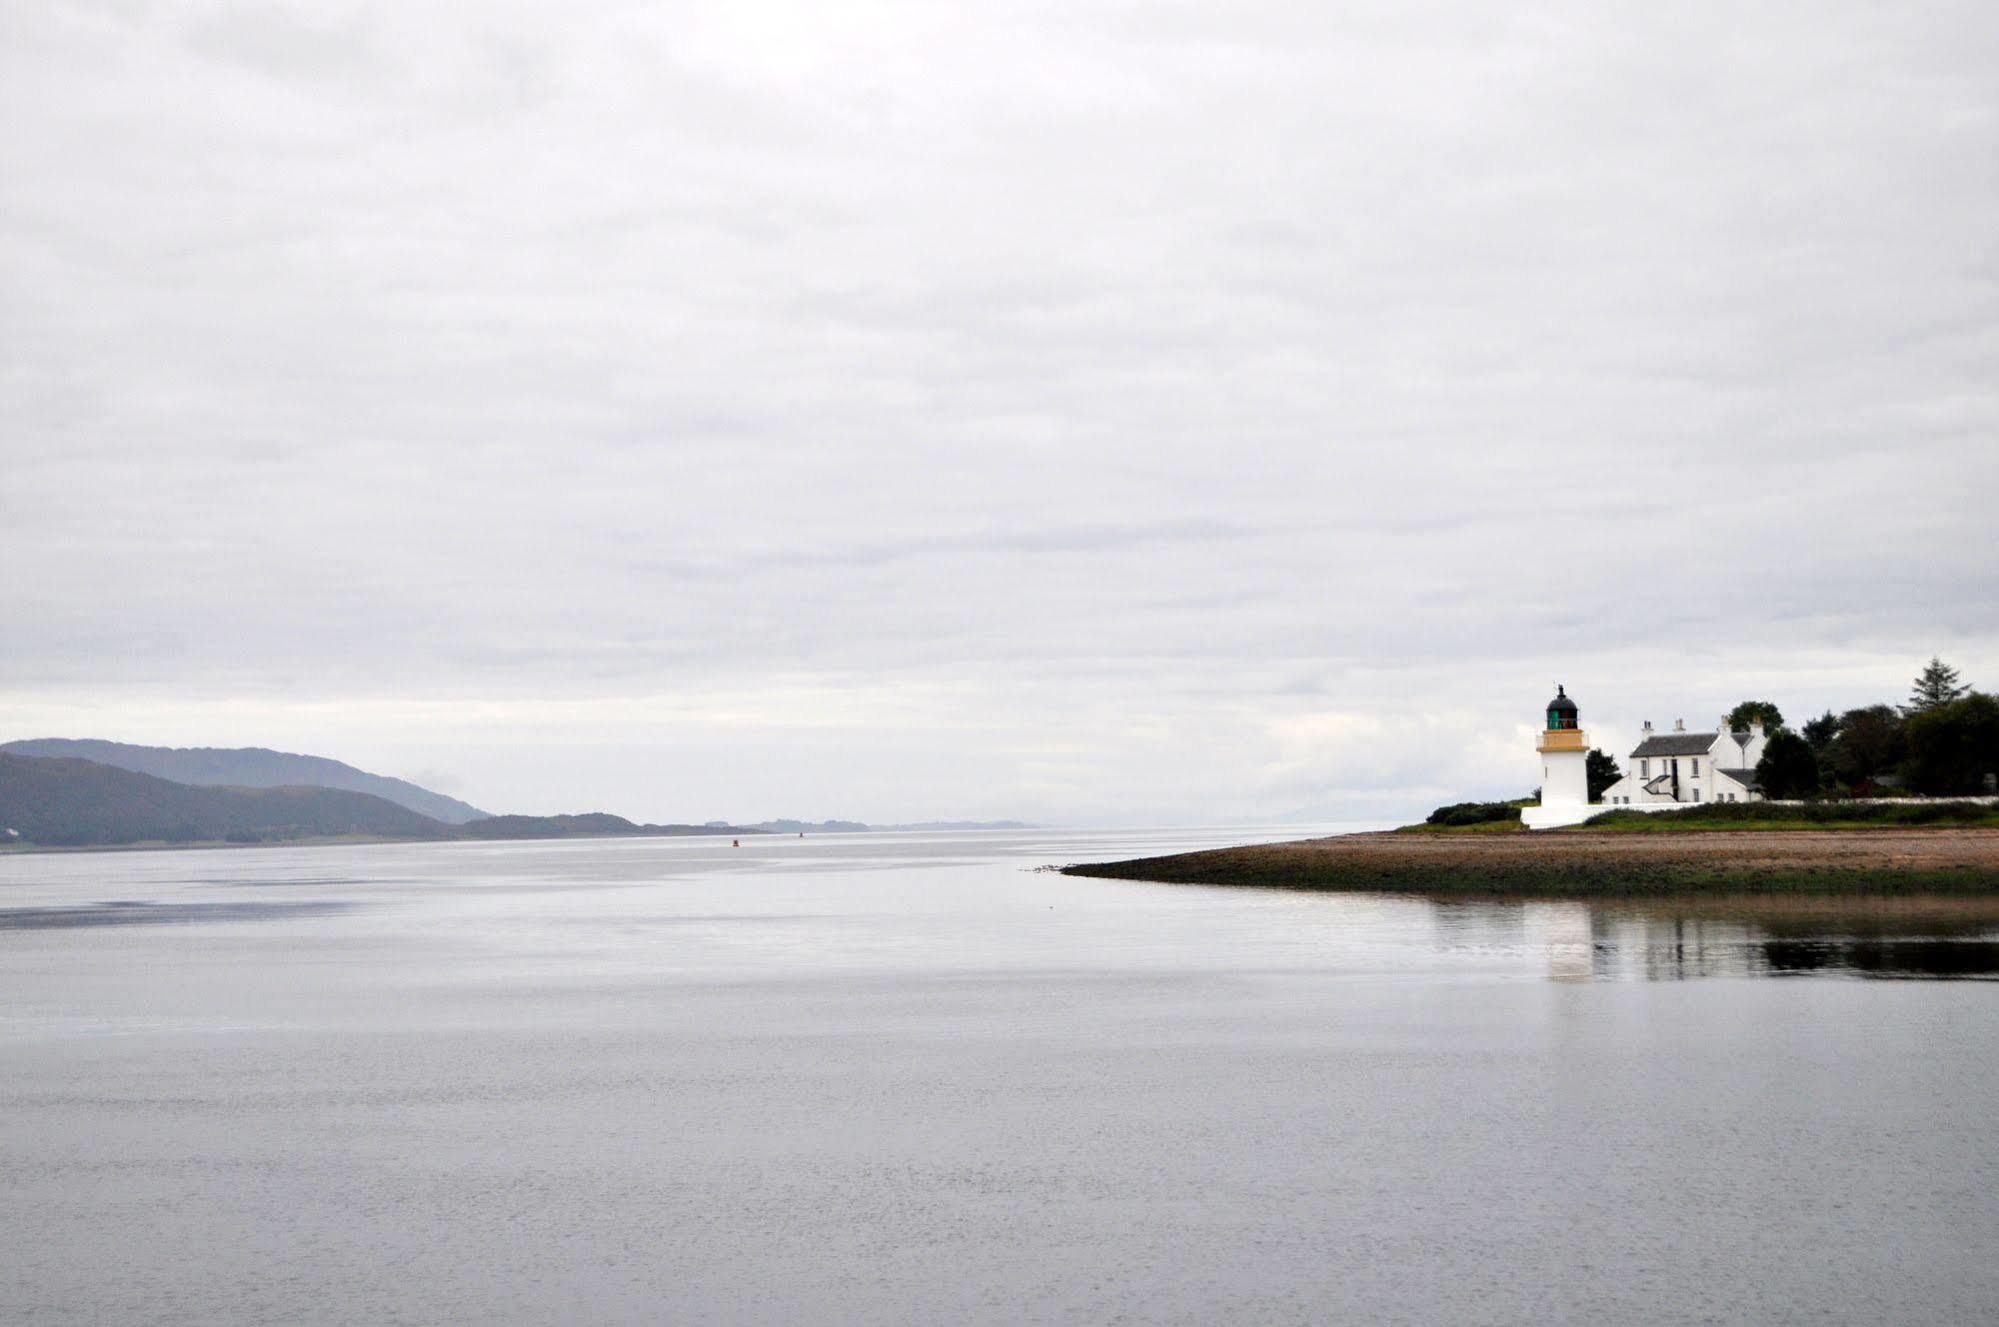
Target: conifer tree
1937, 684
1820, 732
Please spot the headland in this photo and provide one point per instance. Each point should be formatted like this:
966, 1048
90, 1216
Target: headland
1606, 862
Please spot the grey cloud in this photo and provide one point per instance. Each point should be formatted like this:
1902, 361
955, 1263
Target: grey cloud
974, 385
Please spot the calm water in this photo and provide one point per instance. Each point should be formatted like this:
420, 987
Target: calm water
902, 1078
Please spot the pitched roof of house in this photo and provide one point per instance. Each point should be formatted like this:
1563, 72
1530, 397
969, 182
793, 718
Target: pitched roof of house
1675, 744
1660, 783
1745, 777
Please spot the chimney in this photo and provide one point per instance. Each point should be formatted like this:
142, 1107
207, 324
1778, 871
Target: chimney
1679, 725
1648, 727
1756, 727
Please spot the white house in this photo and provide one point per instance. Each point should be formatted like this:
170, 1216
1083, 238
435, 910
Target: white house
1666, 769
1683, 768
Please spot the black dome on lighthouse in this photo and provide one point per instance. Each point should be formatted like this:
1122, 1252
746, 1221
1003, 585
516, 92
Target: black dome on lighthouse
1561, 711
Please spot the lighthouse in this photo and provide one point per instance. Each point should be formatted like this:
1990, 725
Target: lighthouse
1564, 768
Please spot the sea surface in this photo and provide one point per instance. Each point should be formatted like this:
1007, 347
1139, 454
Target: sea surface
907, 1078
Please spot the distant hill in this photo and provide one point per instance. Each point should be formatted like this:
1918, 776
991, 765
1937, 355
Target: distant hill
64, 802
815, 826
856, 827
249, 767
960, 824
591, 824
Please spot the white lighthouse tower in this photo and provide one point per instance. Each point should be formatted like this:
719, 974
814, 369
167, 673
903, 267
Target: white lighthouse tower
1564, 769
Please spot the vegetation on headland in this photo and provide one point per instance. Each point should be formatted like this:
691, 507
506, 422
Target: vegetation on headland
1476, 815
1504, 817
1942, 742
1738, 816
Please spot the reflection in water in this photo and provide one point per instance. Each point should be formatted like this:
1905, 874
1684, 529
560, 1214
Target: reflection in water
1569, 934
1886, 958
1670, 939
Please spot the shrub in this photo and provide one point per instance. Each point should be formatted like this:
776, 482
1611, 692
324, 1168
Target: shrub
1473, 813
1788, 768
1870, 742
1808, 813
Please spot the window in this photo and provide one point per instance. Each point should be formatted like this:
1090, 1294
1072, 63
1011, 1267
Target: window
1644, 769
1697, 794
1697, 766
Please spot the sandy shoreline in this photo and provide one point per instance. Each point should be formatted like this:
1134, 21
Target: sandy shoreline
1580, 863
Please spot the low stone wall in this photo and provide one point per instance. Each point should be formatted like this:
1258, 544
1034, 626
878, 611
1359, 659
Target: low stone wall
1556, 817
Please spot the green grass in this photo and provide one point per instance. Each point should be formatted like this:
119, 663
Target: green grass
1810, 815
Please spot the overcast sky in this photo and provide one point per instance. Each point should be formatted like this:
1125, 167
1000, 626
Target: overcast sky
1073, 411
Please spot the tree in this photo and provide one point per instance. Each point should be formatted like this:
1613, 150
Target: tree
1937, 684
1788, 769
1820, 732
1601, 771
1954, 746
1739, 717
1872, 741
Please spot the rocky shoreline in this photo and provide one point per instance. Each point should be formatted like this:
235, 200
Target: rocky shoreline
1581, 863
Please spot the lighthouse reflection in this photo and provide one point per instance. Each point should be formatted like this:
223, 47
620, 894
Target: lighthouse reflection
1678, 938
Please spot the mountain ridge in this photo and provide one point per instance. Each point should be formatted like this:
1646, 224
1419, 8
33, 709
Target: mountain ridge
59, 801
66, 802
248, 767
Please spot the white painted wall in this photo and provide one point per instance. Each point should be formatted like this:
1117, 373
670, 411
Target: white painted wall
1565, 778
1554, 817
1722, 751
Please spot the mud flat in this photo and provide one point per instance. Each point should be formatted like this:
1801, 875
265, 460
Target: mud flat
1580, 864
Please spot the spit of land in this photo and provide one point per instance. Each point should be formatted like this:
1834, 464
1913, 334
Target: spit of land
1584, 863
